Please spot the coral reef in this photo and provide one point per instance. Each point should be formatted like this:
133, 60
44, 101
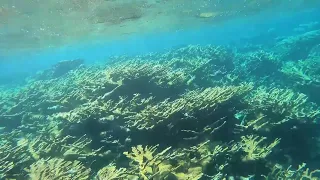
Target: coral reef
57, 169
298, 47
197, 112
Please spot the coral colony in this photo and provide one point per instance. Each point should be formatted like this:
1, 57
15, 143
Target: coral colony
198, 112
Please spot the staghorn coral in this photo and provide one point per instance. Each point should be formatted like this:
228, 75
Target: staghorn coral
206, 152
13, 154
57, 169
202, 65
104, 110
279, 172
188, 99
303, 72
80, 150
211, 97
5, 167
257, 64
150, 165
16, 152
153, 115
254, 150
138, 72
110, 172
68, 147
42, 147
192, 53
206, 66
209, 159
259, 122
190, 102
284, 102
192, 174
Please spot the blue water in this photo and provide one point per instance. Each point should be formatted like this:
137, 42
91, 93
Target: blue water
263, 27
275, 100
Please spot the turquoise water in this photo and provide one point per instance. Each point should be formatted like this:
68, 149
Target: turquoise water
261, 28
236, 98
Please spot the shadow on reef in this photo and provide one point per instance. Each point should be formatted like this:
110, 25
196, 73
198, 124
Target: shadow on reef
197, 112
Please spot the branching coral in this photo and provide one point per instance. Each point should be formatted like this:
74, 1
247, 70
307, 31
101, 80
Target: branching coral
152, 115
204, 158
192, 174
110, 172
80, 150
146, 72
211, 97
58, 169
68, 147
188, 99
279, 172
148, 165
218, 54
207, 152
105, 110
190, 102
303, 72
206, 66
84, 112
42, 146
284, 102
259, 122
13, 154
5, 167
253, 148
194, 64
256, 64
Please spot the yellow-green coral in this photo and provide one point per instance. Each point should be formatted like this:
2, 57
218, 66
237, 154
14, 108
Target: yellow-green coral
146, 72
187, 104
110, 172
192, 174
303, 72
80, 149
148, 164
58, 169
207, 152
152, 115
254, 150
184, 97
5, 167
12, 154
284, 102
211, 97
257, 123
303, 173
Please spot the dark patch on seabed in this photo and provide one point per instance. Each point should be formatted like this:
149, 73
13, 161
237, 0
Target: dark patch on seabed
196, 112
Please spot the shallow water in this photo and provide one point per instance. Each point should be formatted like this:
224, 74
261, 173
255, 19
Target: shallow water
202, 89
